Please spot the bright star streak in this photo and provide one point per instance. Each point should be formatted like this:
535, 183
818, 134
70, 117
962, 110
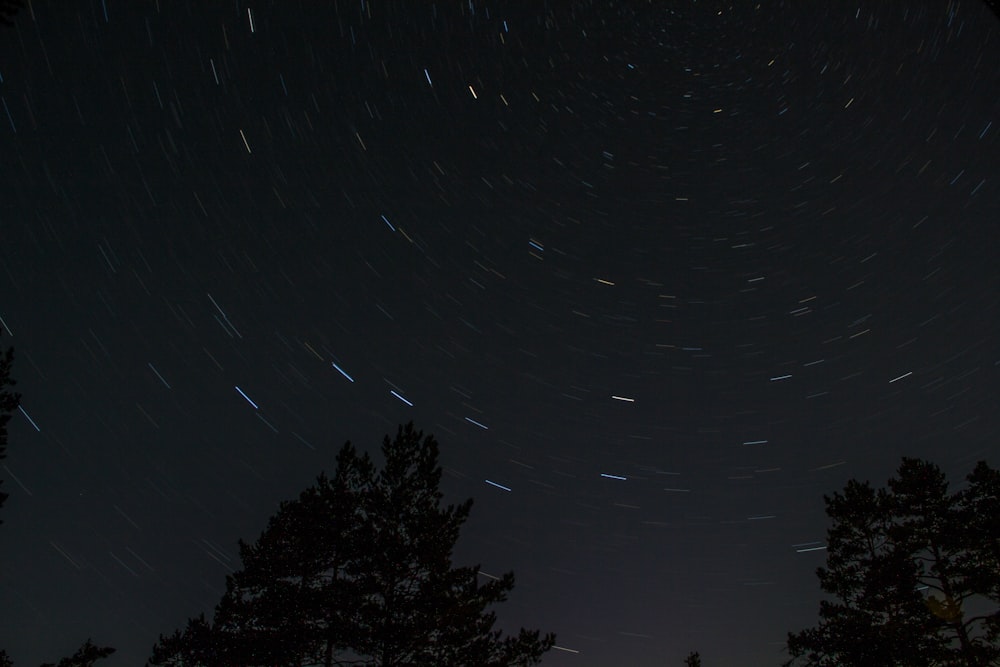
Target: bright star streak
248, 399
29, 419
165, 383
342, 371
563, 648
391, 391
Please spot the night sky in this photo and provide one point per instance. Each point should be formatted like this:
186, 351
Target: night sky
656, 275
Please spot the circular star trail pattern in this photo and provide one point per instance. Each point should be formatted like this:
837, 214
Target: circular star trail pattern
656, 275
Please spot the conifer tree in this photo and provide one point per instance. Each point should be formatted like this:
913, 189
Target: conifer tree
904, 565
358, 570
85, 656
8, 403
693, 660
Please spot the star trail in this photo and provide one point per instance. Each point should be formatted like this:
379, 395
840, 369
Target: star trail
656, 275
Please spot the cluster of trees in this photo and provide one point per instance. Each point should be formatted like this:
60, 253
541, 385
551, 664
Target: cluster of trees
358, 570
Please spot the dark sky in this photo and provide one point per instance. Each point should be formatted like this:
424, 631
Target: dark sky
667, 271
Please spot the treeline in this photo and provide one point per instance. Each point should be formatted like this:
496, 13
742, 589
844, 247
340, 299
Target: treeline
358, 570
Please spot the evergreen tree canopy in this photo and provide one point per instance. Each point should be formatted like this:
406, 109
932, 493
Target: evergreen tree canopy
85, 656
8, 10
358, 570
905, 564
8, 403
693, 659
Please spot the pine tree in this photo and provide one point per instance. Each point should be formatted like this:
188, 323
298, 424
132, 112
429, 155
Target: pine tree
8, 403
902, 564
8, 10
417, 608
85, 656
693, 660
359, 568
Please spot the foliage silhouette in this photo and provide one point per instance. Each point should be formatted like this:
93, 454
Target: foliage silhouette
904, 565
693, 660
8, 403
994, 6
85, 656
9, 9
358, 570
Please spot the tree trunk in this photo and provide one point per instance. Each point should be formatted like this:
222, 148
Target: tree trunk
967, 651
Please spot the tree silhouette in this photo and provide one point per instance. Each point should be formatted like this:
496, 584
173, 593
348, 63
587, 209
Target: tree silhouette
994, 7
289, 604
902, 564
8, 403
9, 9
358, 570
85, 656
693, 660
